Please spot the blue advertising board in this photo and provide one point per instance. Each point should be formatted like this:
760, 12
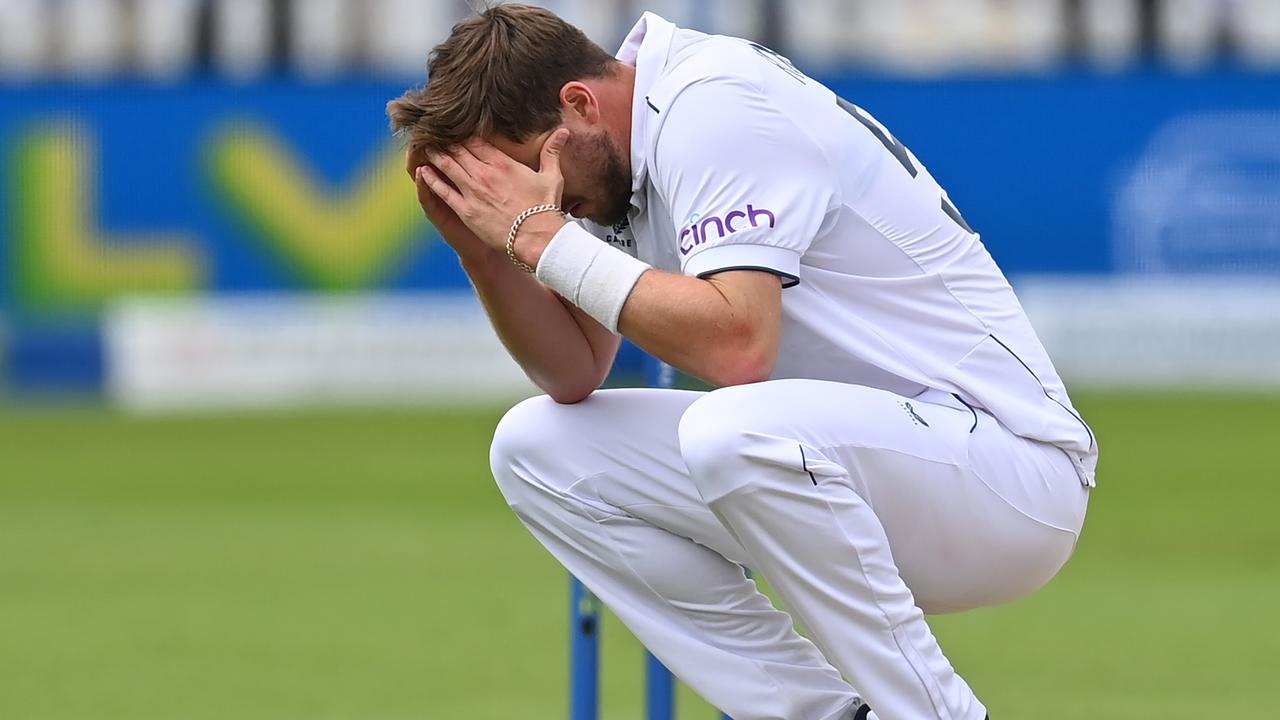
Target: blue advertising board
208, 187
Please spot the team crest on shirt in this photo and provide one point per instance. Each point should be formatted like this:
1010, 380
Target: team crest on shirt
699, 229
620, 235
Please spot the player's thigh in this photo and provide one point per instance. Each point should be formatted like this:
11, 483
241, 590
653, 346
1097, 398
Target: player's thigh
994, 525
617, 450
631, 427
958, 542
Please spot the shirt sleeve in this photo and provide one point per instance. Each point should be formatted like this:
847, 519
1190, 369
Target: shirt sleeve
747, 187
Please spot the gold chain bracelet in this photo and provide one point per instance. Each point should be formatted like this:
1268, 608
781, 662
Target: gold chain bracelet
515, 228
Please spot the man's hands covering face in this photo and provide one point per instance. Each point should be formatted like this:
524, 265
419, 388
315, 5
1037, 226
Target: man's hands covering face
486, 190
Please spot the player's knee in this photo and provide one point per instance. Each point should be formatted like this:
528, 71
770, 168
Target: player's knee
524, 438
729, 435
714, 433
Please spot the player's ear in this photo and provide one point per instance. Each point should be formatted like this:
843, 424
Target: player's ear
579, 103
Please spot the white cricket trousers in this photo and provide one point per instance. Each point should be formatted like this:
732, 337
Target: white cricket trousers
864, 510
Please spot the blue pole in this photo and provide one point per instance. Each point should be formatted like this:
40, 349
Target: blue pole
660, 700
584, 653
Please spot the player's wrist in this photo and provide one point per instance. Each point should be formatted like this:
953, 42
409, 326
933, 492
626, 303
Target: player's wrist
478, 258
590, 273
534, 236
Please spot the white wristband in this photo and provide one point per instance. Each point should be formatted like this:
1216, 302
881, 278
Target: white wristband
589, 273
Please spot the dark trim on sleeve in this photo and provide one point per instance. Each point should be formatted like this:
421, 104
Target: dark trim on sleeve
788, 280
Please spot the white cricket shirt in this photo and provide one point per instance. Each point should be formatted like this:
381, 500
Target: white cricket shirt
741, 161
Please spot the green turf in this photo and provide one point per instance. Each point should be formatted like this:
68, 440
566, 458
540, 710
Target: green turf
362, 566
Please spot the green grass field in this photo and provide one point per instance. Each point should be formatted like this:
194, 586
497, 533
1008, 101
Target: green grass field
361, 566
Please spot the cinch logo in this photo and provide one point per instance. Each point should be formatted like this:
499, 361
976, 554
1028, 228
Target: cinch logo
700, 229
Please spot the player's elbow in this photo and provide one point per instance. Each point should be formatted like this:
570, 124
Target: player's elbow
569, 398
570, 394
578, 387
742, 371
566, 388
746, 356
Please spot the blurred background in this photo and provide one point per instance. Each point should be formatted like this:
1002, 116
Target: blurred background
246, 395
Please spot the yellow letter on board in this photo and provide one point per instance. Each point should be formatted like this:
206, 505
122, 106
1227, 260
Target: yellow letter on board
62, 260
335, 239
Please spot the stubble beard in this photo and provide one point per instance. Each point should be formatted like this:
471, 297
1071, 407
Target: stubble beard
613, 177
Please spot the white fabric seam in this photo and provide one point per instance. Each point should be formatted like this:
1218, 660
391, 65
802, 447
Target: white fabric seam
695, 630
930, 690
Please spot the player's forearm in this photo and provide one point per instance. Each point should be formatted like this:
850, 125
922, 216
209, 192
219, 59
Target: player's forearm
707, 328
565, 355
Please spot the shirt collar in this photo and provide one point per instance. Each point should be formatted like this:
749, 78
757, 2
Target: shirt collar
646, 47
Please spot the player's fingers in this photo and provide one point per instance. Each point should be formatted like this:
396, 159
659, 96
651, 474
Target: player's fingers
415, 155
549, 161
467, 159
485, 152
447, 165
437, 184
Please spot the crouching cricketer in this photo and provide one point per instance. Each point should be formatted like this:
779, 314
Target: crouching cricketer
889, 438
